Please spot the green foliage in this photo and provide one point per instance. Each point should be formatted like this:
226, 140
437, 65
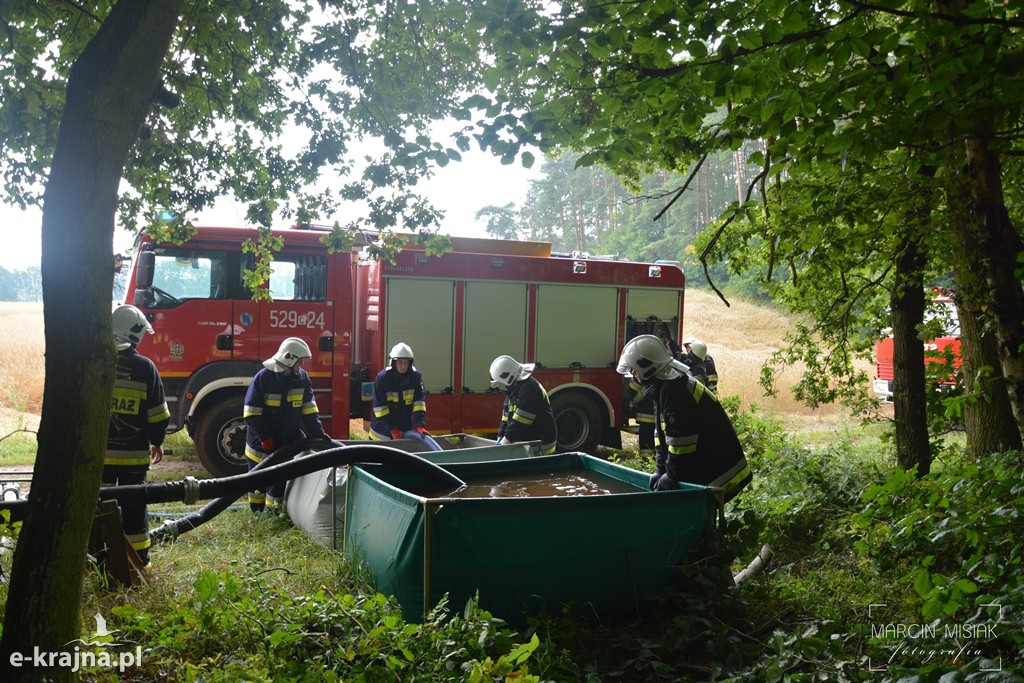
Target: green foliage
262, 249
958, 535
235, 624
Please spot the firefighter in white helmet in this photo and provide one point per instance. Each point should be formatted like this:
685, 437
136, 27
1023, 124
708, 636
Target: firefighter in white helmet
695, 440
694, 358
400, 401
526, 414
279, 409
138, 421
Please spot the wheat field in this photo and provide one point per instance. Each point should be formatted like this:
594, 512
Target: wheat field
21, 365
740, 337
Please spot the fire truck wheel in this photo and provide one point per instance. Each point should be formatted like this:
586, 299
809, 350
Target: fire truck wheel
220, 437
578, 419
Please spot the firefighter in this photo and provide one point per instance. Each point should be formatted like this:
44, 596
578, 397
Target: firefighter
138, 422
642, 406
399, 401
279, 409
526, 414
695, 440
696, 350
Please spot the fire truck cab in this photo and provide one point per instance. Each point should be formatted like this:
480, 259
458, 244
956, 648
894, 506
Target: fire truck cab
570, 315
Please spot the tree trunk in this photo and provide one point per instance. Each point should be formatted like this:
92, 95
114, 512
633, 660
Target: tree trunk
988, 423
998, 247
990, 246
110, 90
907, 304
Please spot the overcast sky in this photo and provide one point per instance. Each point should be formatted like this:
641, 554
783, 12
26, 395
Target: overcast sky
461, 189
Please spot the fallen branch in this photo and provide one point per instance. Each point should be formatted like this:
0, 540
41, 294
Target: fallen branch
16, 431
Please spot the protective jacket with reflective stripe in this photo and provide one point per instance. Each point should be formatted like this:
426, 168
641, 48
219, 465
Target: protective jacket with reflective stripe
138, 411
399, 402
696, 441
709, 365
526, 414
279, 407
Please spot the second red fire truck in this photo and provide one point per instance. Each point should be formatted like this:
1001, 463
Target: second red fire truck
941, 309
571, 315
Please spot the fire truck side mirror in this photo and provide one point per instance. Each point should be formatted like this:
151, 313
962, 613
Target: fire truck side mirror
144, 274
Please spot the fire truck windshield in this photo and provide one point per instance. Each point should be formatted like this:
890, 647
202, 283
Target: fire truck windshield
179, 277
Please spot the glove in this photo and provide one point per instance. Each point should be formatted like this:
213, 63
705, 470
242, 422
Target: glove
423, 431
666, 483
396, 434
653, 484
268, 445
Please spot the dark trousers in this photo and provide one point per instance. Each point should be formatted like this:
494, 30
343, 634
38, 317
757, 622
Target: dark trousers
134, 517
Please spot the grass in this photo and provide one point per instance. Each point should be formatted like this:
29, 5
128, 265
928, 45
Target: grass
236, 542
741, 337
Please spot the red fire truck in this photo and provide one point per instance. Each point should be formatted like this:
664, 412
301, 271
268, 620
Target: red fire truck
942, 309
570, 315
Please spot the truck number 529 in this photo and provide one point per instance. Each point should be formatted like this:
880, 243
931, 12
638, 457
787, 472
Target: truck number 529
284, 318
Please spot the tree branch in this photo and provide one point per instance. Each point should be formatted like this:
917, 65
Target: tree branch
681, 190
718, 233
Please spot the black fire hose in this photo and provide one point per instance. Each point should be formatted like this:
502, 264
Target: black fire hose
190, 489
175, 527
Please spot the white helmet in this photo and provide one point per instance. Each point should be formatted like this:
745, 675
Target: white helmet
291, 351
400, 350
646, 357
688, 341
699, 348
129, 325
506, 369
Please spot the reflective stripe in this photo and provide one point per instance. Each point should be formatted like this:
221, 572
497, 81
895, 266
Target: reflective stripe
309, 408
731, 480
159, 413
257, 498
682, 445
250, 411
408, 396
377, 436
548, 448
139, 387
419, 406
139, 541
520, 417
393, 396
126, 458
645, 417
253, 454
